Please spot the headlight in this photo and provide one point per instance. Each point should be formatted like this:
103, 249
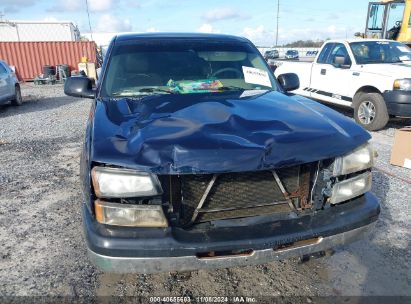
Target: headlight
130, 215
350, 188
360, 159
116, 182
402, 84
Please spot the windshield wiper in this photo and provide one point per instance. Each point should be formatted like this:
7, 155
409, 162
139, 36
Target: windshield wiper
231, 88
155, 90
132, 93
234, 88
124, 94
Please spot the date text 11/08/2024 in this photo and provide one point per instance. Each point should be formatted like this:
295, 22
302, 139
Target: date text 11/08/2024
204, 299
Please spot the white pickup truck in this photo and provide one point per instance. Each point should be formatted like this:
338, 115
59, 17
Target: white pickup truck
371, 76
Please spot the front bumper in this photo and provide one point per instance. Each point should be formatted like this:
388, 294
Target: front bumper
187, 263
125, 250
398, 103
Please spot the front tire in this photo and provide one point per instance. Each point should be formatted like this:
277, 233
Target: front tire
370, 111
18, 100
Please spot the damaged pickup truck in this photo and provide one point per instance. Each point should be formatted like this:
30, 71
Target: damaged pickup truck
195, 156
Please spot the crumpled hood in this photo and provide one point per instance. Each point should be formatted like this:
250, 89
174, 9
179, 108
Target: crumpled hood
394, 70
225, 132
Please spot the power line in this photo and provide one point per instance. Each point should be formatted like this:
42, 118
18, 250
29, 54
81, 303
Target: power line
89, 22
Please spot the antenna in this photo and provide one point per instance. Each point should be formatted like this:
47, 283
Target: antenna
89, 22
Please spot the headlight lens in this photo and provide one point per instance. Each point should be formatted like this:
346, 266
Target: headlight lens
116, 182
350, 188
402, 84
130, 215
360, 159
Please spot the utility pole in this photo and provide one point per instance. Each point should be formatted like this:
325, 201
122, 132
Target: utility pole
278, 19
89, 22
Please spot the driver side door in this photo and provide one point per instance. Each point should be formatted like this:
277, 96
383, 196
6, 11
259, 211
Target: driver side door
330, 82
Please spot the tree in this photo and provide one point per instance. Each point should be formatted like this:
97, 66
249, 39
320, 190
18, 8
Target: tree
305, 43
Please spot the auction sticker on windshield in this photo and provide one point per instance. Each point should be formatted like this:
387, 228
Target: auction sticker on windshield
256, 76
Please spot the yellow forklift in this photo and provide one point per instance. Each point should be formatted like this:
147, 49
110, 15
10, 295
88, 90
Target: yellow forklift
389, 19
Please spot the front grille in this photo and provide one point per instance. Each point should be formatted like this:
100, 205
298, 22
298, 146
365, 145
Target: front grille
235, 195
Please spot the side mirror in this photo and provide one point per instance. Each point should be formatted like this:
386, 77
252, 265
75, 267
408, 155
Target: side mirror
289, 81
273, 67
339, 62
79, 86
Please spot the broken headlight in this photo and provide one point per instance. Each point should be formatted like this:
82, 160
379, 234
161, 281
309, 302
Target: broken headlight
360, 159
122, 183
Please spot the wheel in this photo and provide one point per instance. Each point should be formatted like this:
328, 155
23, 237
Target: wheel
18, 100
370, 111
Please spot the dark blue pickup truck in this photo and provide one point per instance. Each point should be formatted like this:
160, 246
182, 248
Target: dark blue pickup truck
196, 156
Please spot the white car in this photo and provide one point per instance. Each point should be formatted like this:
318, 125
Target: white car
372, 76
9, 86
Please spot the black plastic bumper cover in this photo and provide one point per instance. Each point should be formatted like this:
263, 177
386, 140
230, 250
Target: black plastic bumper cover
174, 242
398, 103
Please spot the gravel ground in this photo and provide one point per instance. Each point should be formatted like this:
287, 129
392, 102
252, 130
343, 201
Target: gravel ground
42, 251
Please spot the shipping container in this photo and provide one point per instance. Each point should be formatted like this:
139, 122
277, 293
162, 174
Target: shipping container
28, 58
38, 31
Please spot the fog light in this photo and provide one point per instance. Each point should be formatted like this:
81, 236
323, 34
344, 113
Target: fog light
350, 188
130, 215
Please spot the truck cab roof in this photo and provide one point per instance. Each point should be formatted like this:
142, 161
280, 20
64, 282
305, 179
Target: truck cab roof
132, 36
354, 40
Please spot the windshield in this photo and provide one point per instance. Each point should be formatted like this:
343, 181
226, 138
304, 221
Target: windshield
380, 52
182, 66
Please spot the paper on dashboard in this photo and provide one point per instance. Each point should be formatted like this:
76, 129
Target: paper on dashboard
256, 76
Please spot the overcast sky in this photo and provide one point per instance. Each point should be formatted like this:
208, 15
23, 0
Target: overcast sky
255, 19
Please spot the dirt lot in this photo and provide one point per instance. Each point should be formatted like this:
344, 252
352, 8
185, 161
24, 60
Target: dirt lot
42, 251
